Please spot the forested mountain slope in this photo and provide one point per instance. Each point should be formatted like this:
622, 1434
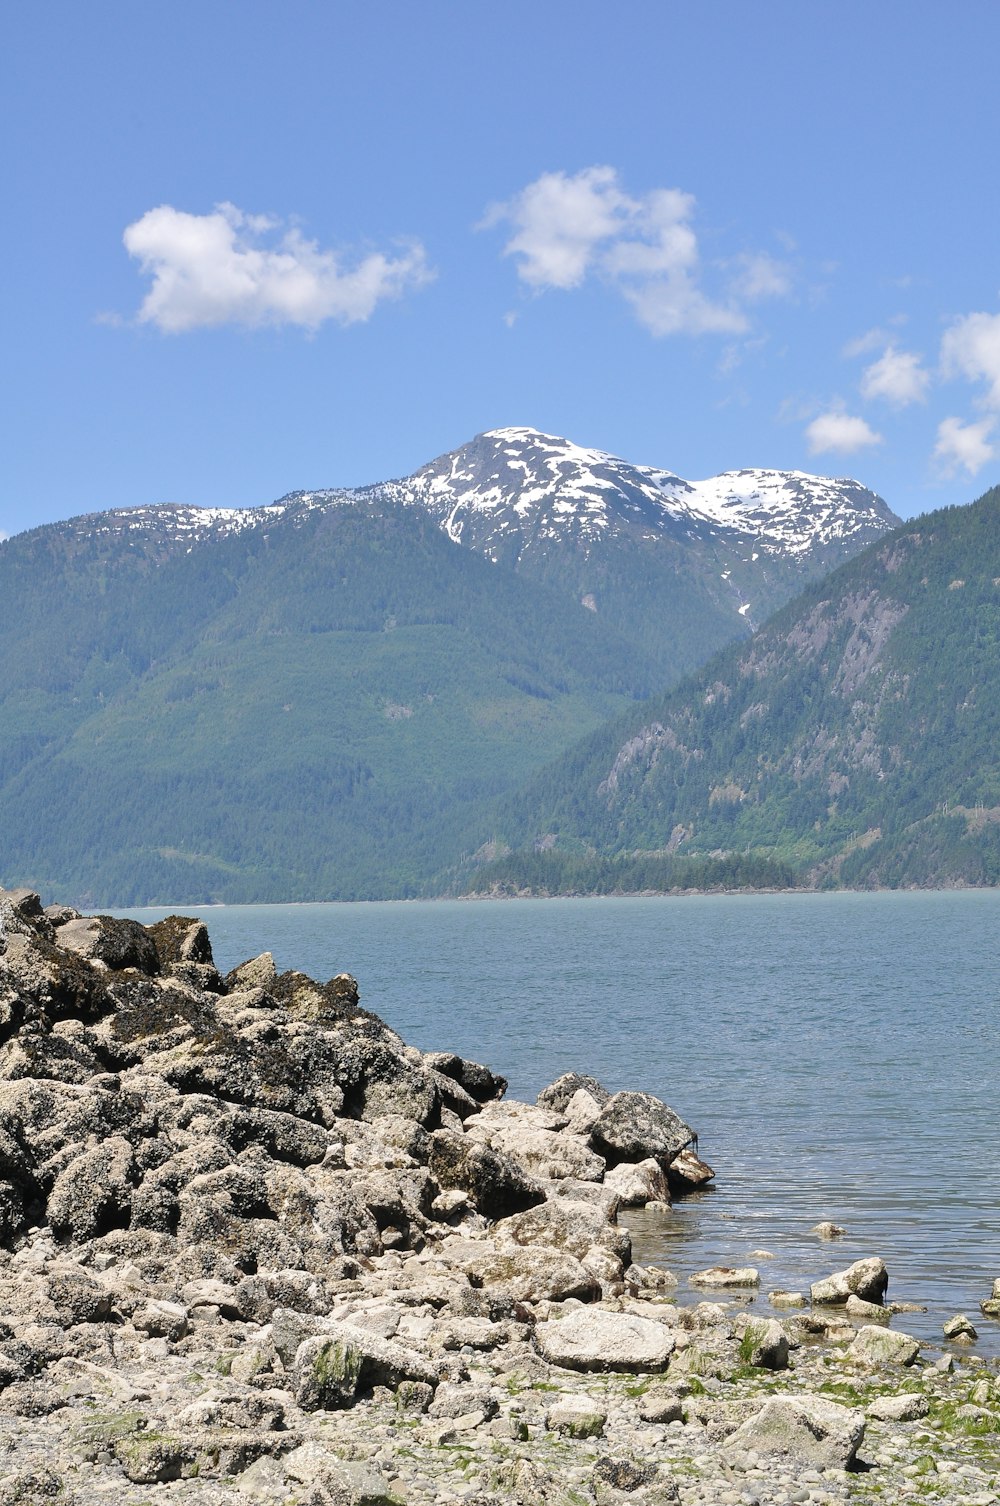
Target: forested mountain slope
680, 567
318, 698
306, 711
854, 740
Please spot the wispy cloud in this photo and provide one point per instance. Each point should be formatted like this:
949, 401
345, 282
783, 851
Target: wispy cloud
565, 229
759, 276
229, 267
838, 432
964, 446
897, 377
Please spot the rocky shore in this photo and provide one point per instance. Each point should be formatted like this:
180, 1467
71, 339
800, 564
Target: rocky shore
256, 1249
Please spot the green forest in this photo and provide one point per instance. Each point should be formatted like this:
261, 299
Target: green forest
855, 739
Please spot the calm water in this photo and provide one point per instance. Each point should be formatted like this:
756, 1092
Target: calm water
837, 1054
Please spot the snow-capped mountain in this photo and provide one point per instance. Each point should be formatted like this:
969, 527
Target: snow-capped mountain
677, 566
513, 490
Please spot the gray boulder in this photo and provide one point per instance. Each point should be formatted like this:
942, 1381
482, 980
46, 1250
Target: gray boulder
595, 1339
867, 1279
636, 1126
529, 1275
558, 1094
875, 1346
805, 1429
495, 1182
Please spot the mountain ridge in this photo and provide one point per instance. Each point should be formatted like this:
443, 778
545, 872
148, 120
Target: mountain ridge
315, 699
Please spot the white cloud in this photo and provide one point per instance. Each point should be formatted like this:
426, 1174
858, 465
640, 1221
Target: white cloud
897, 377
214, 269
840, 432
971, 348
559, 223
863, 345
568, 228
964, 446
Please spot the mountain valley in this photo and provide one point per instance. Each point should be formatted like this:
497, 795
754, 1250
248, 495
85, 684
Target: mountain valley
323, 697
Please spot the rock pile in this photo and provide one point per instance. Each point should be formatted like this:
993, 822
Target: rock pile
255, 1248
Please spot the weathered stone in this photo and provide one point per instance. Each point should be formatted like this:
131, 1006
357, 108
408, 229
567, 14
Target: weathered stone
335, 1482
558, 1094
867, 1279
546, 1154
462, 1400
637, 1126
648, 1278
256, 972
94, 1192
726, 1275
870, 1312
116, 943
907, 1406
576, 1417
614, 1479
687, 1172
478, 1081
526, 1274
875, 1346
565, 1224
383, 1362
497, 1185
827, 1230
638, 1183
960, 1330
763, 1342
660, 1406
804, 1429
326, 1372
161, 1319
596, 1339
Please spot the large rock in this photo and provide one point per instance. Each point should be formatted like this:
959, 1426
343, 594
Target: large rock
94, 1192
763, 1342
334, 1358
544, 1153
496, 1184
639, 1183
116, 943
565, 1224
875, 1346
533, 1275
867, 1279
558, 1094
636, 1126
596, 1339
727, 1275
803, 1429
687, 1172
478, 1081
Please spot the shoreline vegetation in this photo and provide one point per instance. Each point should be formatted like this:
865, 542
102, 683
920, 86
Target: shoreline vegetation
260, 1250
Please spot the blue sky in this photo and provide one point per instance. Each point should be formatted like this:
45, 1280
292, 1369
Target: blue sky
701, 236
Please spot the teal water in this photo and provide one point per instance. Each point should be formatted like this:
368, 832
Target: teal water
837, 1054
